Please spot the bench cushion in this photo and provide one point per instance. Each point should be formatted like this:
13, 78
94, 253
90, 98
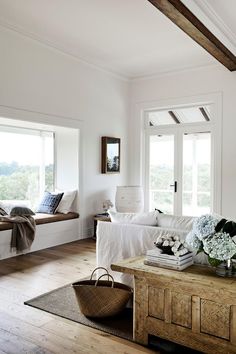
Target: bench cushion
41, 218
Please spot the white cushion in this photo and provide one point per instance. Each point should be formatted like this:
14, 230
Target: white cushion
175, 222
149, 218
65, 205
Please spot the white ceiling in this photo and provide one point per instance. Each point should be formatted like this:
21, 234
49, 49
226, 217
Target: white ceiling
219, 17
226, 10
127, 37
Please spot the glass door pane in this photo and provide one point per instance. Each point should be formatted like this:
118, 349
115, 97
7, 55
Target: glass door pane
196, 196
161, 173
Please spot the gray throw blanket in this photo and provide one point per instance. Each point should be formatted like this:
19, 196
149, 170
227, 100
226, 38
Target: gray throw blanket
23, 231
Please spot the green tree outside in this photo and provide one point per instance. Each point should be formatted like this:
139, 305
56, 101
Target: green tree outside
22, 182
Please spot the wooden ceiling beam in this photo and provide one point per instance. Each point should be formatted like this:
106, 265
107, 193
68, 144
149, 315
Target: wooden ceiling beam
178, 13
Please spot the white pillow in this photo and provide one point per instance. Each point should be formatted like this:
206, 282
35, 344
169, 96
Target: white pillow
149, 218
175, 222
121, 217
65, 205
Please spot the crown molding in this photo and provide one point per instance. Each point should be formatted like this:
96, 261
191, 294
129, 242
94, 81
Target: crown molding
59, 48
205, 12
176, 72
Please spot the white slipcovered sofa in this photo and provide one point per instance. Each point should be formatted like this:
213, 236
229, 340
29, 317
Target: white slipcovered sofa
126, 237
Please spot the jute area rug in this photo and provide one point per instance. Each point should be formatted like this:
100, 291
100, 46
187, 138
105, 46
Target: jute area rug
62, 302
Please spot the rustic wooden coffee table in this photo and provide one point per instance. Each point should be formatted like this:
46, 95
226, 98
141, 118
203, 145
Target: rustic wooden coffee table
194, 307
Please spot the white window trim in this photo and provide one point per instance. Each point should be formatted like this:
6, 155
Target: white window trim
34, 119
42, 121
139, 165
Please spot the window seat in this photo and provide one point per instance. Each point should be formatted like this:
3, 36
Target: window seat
41, 218
51, 230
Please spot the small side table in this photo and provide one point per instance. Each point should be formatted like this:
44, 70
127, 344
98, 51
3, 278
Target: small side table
99, 217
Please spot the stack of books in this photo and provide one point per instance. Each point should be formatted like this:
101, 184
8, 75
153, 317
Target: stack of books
157, 259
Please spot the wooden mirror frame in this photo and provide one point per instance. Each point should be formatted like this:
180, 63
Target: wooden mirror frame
115, 160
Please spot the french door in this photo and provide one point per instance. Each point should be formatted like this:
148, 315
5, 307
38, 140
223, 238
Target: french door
179, 170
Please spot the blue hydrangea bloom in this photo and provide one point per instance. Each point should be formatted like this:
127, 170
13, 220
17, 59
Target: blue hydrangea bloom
193, 241
205, 226
219, 246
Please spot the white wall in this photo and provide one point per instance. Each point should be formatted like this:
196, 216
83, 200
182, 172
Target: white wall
67, 158
202, 81
41, 84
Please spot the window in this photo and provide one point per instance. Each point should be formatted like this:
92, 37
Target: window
161, 173
180, 160
196, 173
179, 116
26, 164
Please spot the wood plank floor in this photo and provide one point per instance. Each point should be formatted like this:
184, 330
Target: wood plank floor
24, 329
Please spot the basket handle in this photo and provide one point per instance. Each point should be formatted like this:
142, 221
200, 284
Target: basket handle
91, 277
109, 276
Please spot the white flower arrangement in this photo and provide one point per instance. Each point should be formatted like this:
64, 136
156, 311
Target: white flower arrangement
213, 236
107, 204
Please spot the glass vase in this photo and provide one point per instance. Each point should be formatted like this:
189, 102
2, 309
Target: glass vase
226, 269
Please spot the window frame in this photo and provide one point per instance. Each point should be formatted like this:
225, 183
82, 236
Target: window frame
178, 131
139, 166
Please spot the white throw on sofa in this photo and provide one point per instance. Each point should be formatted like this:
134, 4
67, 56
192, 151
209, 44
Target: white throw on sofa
119, 240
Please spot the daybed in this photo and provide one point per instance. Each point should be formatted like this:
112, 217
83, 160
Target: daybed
117, 240
51, 230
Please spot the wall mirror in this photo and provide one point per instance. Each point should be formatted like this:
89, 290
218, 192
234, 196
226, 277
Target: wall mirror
110, 155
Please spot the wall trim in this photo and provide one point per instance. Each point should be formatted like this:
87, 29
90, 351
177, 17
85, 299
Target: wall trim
14, 112
59, 48
176, 72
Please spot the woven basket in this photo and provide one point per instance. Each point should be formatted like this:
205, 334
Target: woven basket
101, 298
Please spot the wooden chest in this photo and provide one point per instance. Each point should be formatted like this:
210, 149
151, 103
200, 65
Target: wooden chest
195, 307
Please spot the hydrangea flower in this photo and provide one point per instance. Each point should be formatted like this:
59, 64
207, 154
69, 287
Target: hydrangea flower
193, 241
219, 246
205, 226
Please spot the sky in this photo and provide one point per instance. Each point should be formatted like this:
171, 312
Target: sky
162, 149
23, 148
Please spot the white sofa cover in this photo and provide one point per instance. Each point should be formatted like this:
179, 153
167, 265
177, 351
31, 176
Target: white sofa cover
117, 241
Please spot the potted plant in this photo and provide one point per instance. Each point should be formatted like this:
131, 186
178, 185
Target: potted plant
216, 237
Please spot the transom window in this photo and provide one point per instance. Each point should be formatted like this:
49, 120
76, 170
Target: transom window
179, 116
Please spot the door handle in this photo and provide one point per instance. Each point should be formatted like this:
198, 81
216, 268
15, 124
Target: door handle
175, 186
